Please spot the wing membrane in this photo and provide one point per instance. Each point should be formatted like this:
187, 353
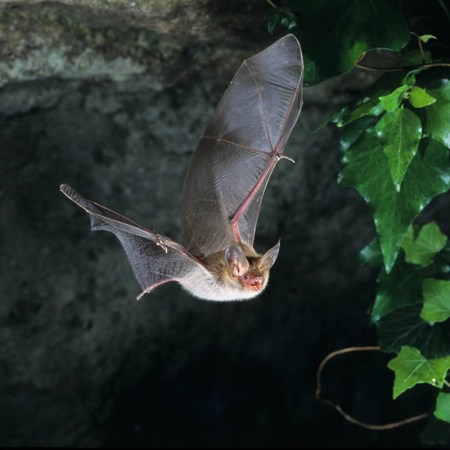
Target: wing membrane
154, 258
241, 145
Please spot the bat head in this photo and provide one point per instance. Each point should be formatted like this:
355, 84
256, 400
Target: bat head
252, 273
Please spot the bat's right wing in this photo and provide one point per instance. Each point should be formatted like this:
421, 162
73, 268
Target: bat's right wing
243, 141
154, 258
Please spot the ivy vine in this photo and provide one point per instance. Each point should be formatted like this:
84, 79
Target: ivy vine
395, 152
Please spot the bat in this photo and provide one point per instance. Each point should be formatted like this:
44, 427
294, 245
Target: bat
223, 188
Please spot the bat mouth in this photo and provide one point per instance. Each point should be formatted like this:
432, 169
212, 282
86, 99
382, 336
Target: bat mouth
252, 282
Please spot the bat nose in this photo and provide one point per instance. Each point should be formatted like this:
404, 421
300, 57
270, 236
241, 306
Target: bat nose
257, 282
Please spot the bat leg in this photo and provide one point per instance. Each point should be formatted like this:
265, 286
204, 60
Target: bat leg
150, 288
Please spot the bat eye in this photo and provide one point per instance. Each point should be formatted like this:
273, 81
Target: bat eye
245, 277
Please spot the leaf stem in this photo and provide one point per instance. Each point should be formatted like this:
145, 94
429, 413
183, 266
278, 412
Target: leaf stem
338, 408
419, 43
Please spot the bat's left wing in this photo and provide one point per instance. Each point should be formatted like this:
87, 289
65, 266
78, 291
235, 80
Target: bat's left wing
243, 141
154, 258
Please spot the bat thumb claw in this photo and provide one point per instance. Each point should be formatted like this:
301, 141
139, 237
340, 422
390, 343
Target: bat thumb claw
160, 242
288, 158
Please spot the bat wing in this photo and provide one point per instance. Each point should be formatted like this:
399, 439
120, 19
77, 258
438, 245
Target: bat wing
154, 258
242, 143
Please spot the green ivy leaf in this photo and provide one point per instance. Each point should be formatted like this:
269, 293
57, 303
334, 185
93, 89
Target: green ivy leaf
366, 169
397, 289
412, 368
402, 286
371, 254
399, 132
421, 250
344, 38
404, 327
368, 106
282, 18
392, 101
354, 131
436, 300
419, 98
410, 78
442, 410
438, 114
427, 37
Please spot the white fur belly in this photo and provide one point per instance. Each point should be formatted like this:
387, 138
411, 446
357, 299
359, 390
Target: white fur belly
204, 285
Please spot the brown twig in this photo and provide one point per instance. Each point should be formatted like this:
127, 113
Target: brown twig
346, 416
271, 3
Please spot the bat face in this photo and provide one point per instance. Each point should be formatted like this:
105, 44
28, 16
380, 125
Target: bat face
223, 189
210, 288
238, 273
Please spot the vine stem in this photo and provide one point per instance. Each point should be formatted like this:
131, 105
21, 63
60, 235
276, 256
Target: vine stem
338, 408
398, 69
271, 3
441, 3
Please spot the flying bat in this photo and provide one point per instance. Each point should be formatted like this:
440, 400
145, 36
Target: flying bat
223, 189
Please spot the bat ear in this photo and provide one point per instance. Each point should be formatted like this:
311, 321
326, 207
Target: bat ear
269, 258
236, 259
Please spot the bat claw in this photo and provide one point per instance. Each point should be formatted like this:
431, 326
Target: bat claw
160, 242
278, 155
288, 158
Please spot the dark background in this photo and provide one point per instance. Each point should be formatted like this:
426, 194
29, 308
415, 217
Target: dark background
112, 98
